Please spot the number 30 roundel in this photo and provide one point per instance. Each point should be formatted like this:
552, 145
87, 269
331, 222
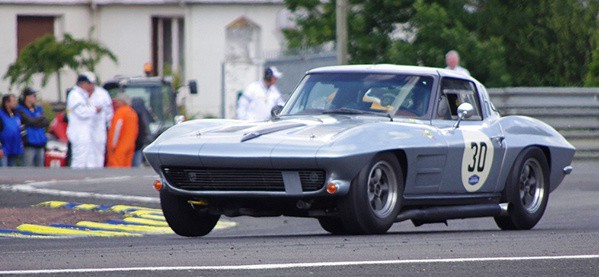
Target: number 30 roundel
477, 159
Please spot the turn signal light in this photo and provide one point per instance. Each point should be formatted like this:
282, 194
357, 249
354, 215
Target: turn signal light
157, 185
332, 188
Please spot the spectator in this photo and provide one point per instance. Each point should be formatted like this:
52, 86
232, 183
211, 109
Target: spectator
143, 123
452, 59
35, 122
260, 97
83, 121
101, 98
10, 132
122, 133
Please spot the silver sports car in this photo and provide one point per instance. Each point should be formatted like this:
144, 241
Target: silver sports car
362, 147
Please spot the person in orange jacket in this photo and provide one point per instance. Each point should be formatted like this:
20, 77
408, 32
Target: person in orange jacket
122, 133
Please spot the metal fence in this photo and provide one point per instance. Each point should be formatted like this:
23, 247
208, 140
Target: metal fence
574, 112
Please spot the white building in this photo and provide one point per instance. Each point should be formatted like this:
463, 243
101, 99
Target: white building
200, 39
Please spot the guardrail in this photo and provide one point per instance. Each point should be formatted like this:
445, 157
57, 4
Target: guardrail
574, 112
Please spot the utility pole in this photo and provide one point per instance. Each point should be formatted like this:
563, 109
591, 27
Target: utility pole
341, 18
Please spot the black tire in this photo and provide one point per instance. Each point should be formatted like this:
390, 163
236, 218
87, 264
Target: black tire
183, 218
526, 191
332, 225
375, 197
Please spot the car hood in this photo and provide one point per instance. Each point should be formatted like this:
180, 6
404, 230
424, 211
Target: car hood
227, 143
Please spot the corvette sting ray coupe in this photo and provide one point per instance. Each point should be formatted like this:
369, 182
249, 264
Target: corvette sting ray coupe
359, 148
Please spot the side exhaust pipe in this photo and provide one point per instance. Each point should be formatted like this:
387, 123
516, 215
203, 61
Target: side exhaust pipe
443, 213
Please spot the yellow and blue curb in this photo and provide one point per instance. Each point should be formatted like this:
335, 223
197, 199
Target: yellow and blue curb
137, 221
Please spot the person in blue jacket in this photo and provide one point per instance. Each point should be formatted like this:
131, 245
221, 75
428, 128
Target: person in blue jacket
10, 132
35, 122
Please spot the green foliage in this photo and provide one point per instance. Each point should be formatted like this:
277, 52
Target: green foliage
502, 42
592, 76
370, 25
47, 56
547, 43
437, 29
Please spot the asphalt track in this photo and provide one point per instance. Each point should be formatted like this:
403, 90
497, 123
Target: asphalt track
565, 242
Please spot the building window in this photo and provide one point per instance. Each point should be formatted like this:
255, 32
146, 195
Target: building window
167, 45
30, 28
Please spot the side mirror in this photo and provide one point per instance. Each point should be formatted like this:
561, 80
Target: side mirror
465, 110
193, 87
275, 111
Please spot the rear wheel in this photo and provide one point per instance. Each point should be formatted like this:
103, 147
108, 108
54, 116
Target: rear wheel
526, 191
374, 199
183, 218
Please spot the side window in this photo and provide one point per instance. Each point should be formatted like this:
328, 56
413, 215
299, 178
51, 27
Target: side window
455, 92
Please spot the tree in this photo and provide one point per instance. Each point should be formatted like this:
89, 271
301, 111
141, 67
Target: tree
435, 28
370, 25
592, 77
547, 43
47, 56
402, 32
502, 42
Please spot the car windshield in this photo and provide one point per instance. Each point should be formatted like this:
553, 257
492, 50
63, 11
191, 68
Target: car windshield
361, 93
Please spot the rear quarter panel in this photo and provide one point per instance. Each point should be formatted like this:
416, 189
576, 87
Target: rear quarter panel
521, 132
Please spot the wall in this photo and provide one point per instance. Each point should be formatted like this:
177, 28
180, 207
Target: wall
73, 19
206, 26
126, 31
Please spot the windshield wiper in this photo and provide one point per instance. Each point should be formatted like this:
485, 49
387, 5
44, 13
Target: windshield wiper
356, 111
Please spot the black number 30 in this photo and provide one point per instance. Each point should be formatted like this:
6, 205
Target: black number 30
479, 158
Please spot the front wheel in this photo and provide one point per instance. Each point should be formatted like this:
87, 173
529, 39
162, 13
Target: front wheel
183, 218
374, 199
332, 225
526, 191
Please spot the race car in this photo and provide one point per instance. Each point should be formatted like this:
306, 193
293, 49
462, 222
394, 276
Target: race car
359, 148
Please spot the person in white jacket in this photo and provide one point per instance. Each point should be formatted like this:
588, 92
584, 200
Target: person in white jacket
260, 97
101, 98
83, 117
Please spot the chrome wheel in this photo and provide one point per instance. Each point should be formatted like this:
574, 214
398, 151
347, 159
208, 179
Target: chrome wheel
532, 185
526, 191
375, 197
382, 189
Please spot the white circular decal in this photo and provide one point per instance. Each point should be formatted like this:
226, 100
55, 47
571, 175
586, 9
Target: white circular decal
477, 159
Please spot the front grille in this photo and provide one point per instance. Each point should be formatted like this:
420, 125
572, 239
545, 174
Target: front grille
239, 179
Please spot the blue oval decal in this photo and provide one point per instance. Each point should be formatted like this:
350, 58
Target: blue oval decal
473, 180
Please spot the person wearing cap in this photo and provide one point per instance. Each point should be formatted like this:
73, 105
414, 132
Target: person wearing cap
122, 133
258, 99
32, 116
11, 145
82, 115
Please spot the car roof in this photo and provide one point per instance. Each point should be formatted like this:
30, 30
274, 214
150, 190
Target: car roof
389, 68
